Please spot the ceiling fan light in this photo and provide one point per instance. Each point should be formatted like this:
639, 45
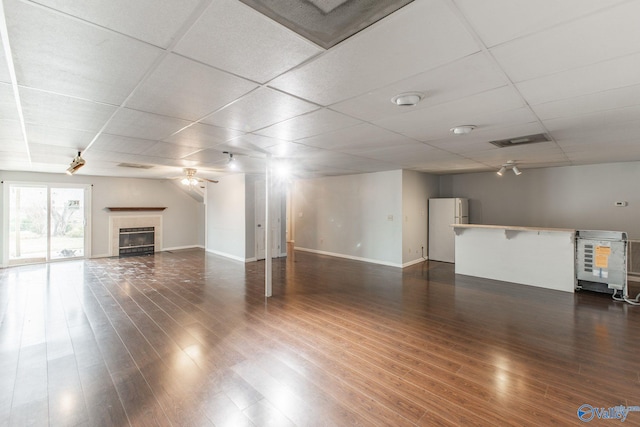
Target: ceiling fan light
185, 181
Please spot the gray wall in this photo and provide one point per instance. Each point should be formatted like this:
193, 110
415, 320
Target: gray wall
355, 216
108, 191
580, 197
226, 217
417, 189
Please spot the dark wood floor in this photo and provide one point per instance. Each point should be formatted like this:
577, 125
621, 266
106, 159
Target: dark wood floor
187, 338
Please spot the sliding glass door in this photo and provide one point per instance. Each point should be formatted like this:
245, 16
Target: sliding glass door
45, 222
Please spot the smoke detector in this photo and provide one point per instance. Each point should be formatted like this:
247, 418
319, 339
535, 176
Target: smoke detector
407, 99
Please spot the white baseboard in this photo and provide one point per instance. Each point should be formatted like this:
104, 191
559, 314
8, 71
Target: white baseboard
355, 258
415, 261
100, 256
177, 248
226, 255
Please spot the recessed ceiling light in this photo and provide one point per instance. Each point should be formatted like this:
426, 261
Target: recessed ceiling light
407, 99
463, 129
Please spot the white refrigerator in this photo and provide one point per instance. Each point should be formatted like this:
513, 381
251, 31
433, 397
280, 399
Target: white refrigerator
443, 213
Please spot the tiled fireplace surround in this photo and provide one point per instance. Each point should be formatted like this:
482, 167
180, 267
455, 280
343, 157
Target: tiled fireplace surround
116, 222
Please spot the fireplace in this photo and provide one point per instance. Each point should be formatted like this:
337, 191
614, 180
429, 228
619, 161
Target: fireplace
136, 241
134, 234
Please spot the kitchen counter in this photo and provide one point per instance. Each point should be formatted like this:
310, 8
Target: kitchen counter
534, 256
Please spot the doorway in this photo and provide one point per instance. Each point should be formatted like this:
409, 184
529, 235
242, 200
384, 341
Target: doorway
45, 222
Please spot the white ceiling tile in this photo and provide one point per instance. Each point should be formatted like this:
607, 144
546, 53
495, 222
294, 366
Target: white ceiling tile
610, 124
8, 107
235, 38
495, 108
203, 136
153, 21
258, 110
609, 34
406, 155
310, 124
53, 155
138, 124
186, 89
63, 55
11, 139
480, 139
523, 154
167, 150
449, 165
60, 137
467, 76
590, 103
421, 36
52, 110
120, 144
4, 70
607, 75
361, 136
497, 21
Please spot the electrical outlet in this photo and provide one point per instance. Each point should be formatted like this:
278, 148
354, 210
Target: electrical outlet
389, 217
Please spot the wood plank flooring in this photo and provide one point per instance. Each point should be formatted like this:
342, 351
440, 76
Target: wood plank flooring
188, 339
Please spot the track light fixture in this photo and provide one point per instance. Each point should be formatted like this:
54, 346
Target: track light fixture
231, 161
76, 164
511, 164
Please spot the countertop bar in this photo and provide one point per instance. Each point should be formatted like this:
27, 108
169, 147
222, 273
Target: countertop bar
534, 256
514, 228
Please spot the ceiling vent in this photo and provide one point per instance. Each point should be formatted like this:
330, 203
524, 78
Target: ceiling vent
134, 166
521, 140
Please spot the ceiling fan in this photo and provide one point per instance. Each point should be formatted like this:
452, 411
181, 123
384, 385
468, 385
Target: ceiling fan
189, 178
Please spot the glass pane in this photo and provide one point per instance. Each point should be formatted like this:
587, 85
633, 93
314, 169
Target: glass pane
67, 223
27, 224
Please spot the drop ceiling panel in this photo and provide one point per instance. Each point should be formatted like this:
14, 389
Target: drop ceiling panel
530, 153
421, 36
259, 109
589, 103
59, 137
8, 108
455, 164
52, 110
621, 121
360, 136
467, 76
203, 136
53, 155
620, 73
11, 139
63, 55
138, 124
169, 151
498, 21
153, 21
404, 156
235, 38
599, 37
186, 89
348, 162
495, 108
120, 144
479, 139
310, 124
4, 70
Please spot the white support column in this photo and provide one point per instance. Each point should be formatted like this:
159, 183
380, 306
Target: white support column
268, 238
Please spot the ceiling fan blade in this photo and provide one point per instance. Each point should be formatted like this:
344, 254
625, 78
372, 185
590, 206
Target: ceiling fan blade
206, 179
